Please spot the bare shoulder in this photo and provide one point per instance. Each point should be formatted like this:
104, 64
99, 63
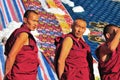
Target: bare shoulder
99, 50
68, 40
23, 35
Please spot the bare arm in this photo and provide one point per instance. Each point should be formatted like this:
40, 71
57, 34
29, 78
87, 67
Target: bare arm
20, 41
104, 52
66, 46
114, 43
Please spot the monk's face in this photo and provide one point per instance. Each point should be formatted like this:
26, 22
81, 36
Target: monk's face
32, 21
79, 28
113, 32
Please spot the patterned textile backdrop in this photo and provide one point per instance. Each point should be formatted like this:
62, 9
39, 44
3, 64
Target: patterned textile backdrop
51, 25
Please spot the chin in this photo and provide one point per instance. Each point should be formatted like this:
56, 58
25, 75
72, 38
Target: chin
32, 29
78, 36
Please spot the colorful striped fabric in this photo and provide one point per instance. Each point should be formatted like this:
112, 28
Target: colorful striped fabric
45, 71
10, 10
2, 62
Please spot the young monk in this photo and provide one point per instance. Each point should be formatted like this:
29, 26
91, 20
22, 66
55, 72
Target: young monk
109, 54
21, 50
75, 60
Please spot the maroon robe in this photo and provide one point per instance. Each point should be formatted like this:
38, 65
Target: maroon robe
26, 62
78, 64
110, 70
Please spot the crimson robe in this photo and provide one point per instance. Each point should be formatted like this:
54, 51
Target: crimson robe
78, 64
26, 62
110, 70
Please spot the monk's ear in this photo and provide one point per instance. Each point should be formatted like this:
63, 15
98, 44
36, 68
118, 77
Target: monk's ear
25, 20
107, 35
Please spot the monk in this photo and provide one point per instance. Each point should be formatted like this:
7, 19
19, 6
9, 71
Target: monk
21, 50
75, 60
108, 54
